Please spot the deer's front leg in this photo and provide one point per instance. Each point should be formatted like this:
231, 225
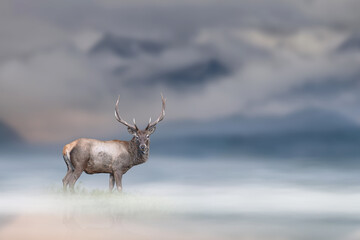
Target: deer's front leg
111, 182
118, 180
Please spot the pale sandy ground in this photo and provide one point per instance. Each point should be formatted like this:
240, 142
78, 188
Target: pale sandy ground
46, 226
95, 216
253, 213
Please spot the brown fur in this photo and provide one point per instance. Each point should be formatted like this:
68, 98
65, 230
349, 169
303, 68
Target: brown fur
68, 147
115, 157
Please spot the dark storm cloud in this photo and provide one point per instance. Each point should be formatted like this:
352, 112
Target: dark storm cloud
240, 55
350, 44
186, 77
126, 47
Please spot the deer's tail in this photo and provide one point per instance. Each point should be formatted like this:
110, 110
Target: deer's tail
66, 155
68, 162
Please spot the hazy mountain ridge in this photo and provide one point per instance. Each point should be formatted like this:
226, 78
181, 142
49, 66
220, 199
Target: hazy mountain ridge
306, 133
309, 133
314, 120
8, 135
337, 144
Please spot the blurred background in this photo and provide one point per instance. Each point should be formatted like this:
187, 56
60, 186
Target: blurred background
262, 114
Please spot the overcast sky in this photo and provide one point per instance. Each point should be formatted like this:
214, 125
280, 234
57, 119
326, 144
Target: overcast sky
63, 63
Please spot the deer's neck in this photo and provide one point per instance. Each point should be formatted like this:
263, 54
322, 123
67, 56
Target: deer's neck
137, 156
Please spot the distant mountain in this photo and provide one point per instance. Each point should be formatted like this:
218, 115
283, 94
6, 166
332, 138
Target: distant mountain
8, 135
306, 133
328, 146
314, 120
352, 43
126, 47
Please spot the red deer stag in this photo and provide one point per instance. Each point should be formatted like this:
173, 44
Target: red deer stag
114, 157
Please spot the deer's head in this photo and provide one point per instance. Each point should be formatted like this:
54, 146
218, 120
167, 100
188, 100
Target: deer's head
142, 137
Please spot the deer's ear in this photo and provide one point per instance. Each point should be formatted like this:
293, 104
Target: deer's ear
132, 131
151, 130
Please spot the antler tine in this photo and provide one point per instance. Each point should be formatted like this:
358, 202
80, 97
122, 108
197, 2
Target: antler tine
117, 115
162, 114
135, 123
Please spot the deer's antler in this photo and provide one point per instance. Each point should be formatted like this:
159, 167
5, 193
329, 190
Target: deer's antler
161, 117
117, 116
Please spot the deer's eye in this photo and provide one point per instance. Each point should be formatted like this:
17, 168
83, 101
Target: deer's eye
147, 136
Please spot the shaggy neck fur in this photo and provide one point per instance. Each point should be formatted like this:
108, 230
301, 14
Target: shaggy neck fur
138, 156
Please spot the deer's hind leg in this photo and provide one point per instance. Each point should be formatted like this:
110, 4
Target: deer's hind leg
73, 177
70, 170
66, 179
79, 159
